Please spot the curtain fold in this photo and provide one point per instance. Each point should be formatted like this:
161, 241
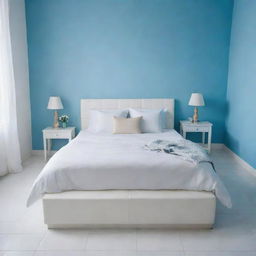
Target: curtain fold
10, 158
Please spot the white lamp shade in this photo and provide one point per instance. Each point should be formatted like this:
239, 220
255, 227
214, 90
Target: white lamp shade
196, 100
55, 103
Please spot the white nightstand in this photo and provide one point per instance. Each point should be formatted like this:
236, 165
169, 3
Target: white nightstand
203, 127
50, 133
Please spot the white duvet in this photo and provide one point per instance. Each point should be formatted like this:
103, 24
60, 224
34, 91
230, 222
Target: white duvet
120, 161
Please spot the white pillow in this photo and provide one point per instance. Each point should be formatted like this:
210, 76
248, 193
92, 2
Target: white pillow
151, 119
102, 120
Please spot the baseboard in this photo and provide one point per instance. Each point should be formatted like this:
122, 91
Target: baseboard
240, 161
214, 145
41, 152
26, 157
217, 145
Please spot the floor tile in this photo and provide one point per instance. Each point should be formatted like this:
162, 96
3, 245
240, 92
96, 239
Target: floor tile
160, 253
221, 253
238, 241
64, 240
18, 253
29, 226
60, 253
112, 240
21, 242
200, 240
157, 240
9, 204
111, 253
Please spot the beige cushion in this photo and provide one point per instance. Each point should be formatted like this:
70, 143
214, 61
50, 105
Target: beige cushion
126, 125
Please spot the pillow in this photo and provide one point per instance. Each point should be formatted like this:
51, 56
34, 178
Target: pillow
151, 119
126, 125
163, 114
101, 120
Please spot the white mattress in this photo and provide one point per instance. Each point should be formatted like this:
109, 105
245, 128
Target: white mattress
119, 161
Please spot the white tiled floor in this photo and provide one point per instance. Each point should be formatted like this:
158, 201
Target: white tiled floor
22, 232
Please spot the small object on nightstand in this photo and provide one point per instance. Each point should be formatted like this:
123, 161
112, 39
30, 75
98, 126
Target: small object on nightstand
203, 127
64, 120
55, 104
50, 133
196, 100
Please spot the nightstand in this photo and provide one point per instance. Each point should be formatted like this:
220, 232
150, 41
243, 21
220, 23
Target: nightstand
203, 127
50, 133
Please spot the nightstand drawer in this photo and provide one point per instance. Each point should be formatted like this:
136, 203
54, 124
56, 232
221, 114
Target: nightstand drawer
57, 135
196, 129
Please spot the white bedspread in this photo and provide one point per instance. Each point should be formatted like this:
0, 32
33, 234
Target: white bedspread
119, 161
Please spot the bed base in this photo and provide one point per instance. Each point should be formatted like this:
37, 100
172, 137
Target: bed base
130, 209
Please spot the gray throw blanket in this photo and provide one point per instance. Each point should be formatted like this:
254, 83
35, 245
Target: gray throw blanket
185, 149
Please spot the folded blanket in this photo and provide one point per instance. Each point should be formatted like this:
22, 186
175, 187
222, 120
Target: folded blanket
185, 149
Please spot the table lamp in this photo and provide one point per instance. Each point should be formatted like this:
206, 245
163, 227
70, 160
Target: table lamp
55, 104
196, 100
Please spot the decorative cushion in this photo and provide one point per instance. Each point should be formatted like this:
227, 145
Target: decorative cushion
126, 125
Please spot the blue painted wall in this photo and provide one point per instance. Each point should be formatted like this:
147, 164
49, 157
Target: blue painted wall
241, 118
128, 49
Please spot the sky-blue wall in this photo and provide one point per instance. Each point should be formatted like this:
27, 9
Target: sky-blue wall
128, 49
241, 94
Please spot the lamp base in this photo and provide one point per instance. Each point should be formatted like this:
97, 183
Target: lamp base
56, 120
195, 116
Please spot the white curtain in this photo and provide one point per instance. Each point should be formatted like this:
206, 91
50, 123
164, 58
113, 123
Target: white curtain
10, 158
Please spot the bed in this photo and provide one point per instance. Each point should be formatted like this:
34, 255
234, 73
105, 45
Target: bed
106, 180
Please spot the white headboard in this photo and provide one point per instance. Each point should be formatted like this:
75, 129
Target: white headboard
100, 104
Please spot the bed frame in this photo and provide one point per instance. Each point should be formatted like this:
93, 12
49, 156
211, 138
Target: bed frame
129, 208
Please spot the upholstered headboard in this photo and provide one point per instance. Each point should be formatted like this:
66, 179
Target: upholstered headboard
100, 104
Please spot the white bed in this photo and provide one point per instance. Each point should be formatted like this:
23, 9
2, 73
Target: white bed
119, 183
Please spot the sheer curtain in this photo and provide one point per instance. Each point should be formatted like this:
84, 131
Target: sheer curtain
10, 159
